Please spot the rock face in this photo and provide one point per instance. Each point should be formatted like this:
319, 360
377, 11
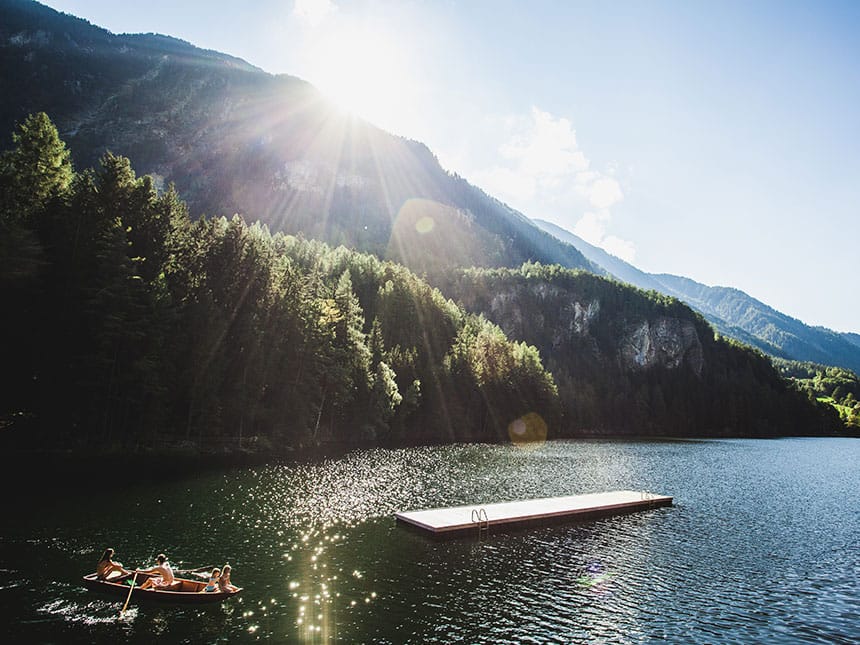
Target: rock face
556, 319
635, 362
666, 342
583, 315
732, 312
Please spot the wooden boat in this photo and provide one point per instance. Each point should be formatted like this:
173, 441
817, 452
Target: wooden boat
184, 591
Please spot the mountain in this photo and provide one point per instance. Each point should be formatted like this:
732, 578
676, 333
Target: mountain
135, 324
732, 312
854, 339
235, 139
627, 361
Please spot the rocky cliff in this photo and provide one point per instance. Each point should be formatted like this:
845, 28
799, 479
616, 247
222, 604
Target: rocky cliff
666, 342
635, 362
732, 312
609, 323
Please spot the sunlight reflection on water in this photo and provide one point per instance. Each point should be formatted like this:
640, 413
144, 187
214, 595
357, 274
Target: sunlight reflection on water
761, 546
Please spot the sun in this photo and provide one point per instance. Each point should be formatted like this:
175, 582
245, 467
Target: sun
363, 70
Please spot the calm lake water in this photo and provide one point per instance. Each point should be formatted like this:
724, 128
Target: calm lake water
762, 545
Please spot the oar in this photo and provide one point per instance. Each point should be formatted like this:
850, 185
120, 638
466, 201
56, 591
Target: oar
133, 581
196, 571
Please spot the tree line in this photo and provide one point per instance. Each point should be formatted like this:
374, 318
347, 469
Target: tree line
128, 324
836, 386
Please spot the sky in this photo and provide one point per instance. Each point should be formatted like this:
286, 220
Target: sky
713, 140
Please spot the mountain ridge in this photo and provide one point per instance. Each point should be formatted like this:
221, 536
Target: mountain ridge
732, 311
236, 139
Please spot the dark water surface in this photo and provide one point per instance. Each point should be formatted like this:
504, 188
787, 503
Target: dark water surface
763, 545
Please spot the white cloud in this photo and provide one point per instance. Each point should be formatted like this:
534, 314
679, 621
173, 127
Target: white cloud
542, 171
313, 12
545, 148
604, 192
513, 185
624, 249
591, 227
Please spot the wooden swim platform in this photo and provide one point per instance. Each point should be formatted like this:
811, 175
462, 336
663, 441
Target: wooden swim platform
457, 520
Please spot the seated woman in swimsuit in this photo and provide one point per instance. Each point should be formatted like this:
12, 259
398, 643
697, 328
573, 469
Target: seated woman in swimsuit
107, 566
224, 583
163, 578
214, 578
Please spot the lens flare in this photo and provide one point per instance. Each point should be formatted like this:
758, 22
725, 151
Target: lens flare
529, 431
595, 578
425, 225
427, 235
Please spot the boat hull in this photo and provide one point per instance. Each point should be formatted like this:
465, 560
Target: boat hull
188, 592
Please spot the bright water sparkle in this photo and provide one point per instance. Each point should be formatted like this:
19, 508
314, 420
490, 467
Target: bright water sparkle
763, 545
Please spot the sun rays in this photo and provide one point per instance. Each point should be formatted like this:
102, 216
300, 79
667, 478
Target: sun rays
362, 68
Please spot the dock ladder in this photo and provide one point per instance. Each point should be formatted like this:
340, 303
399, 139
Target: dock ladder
479, 517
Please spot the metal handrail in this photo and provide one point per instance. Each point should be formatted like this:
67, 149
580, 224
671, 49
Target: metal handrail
648, 495
479, 517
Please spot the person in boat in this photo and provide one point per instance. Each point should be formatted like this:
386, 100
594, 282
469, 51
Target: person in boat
162, 574
107, 566
224, 583
214, 579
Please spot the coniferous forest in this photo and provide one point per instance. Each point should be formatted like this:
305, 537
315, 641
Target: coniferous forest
640, 362
129, 324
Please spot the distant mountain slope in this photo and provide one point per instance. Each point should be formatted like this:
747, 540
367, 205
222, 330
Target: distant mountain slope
798, 340
733, 312
854, 339
236, 139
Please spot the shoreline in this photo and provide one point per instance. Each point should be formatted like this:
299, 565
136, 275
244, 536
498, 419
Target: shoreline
231, 453
40, 472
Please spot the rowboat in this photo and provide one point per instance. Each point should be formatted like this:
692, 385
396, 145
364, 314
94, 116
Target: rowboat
183, 591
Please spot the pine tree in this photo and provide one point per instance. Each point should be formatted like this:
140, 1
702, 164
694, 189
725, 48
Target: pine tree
34, 178
37, 169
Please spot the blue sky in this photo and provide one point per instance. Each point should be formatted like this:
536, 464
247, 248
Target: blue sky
713, 140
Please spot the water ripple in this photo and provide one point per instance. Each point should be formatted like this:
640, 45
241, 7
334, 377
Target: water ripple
762, 546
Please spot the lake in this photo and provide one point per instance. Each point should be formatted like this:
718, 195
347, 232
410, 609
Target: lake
762, 545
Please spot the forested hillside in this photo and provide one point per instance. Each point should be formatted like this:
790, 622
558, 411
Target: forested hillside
834, 385
129, 324
630, 361
234, 139
135, 326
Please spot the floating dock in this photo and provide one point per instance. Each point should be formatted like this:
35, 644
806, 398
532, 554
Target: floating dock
477, 518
